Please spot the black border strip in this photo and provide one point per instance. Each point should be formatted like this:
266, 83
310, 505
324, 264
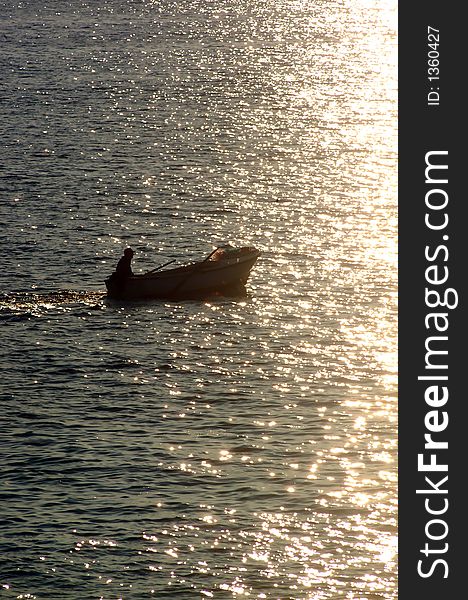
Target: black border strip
432, 250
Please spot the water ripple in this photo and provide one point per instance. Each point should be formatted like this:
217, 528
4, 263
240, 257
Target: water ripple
226, 448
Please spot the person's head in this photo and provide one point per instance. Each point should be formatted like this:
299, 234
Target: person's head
128, 252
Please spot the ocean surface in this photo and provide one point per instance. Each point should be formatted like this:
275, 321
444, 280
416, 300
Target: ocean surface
225, 448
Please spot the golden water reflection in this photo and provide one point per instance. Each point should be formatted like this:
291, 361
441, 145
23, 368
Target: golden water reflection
268, 425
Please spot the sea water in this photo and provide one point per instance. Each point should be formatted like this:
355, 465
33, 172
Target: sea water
225, 448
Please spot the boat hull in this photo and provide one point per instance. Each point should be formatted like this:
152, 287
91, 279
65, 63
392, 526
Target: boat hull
212, 277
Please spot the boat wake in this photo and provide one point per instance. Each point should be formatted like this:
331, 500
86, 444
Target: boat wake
26, 305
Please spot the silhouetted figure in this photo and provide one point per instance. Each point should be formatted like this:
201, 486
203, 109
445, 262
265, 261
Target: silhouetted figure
122, 272
124, 267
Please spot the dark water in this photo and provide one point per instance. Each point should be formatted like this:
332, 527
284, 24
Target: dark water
220, 449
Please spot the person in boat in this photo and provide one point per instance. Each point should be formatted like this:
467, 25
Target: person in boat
124, 267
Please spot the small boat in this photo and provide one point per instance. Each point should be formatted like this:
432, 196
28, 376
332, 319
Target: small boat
223, 272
